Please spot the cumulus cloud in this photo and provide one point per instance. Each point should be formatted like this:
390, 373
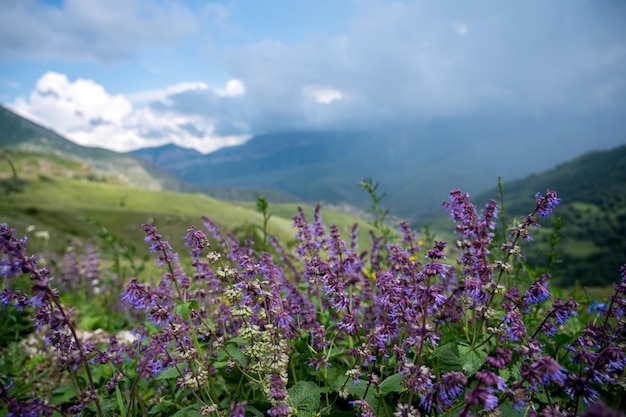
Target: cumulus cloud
85, 112
323, 95
89, 29
233, 88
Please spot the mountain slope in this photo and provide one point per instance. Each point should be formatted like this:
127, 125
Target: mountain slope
592, 189
19, 133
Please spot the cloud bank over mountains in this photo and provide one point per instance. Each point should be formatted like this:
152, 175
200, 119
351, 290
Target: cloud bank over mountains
388, 64
85, 112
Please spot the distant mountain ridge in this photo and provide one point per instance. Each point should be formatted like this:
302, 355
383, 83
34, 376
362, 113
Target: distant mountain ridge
415, 165
17, 132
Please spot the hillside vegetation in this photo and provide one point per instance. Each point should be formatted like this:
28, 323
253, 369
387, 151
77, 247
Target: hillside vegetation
64, 198
21, 134
592, 188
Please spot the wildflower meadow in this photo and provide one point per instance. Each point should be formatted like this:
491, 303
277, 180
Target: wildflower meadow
409, 326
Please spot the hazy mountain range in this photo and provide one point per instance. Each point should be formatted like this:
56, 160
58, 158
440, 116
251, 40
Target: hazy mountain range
324, 166
415, 165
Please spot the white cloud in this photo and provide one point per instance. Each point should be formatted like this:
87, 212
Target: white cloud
147, 96
233, 88
324, 95
86, 113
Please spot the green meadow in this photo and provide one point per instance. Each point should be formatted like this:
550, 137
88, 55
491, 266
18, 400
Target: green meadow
63, 199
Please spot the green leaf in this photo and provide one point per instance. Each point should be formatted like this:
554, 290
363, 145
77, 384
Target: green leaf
236, 353
237, 341
189, 411
107, 405
120, 401
63, 394
169, 373
448, 358
392, 383
305, 397
250, 409
471, 360
185, 308
508, 410
358, 391
505, 374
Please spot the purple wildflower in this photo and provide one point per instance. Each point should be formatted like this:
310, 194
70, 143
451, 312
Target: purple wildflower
490, 379
538, 291
502, 358
482, 396
280, 410
542, 371
547, 203
445, 391
238, 409
599, 409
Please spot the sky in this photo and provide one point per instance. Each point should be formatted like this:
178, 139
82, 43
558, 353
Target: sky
127, 74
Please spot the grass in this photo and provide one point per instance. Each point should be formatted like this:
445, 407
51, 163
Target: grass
62, 205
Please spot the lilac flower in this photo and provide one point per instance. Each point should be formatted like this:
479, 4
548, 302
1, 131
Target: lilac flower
547, 203
280, 410
307, 242
33, 407
437, 251
476, 232
91, 268
474, 289
317, 363
561, 312
597, 308
482, 396
160, 246
136, 294
578, 386
538, 291
419, 379
238, 409
278, 393
16, 298
319, 229
365, 409
542, 371
445, 391
70, 271
599, 409
409, 237
490, 379
502, 358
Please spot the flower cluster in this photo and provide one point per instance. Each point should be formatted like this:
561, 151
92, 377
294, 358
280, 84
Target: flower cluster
406, 328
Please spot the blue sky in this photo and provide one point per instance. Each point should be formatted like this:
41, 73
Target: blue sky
125, 74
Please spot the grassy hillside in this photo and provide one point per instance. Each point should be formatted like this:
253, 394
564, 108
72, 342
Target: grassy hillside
59, 195
593, 208
18, 133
